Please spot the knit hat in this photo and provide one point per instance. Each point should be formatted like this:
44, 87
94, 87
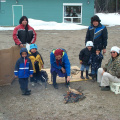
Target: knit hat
32, 46
116, 49
89, 43
58, 52
95, 18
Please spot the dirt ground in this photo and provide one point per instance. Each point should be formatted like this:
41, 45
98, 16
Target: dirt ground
47, 104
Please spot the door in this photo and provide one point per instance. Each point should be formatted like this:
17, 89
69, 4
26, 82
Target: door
17, 14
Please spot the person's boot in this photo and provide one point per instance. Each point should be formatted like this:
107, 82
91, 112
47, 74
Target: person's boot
82, 75
25, 92
55, 86
106, 88
93, 78
87, 74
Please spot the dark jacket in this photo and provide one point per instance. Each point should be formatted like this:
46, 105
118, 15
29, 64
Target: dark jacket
98, 35
95, 61
23, 67
23, 36
85, 55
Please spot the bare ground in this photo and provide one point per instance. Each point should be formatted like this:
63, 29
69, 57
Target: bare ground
47, 104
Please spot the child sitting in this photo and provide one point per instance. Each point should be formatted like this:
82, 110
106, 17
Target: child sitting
84, 58
95, 62
23, 69
37, 63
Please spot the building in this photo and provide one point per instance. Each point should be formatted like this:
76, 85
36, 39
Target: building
67, 11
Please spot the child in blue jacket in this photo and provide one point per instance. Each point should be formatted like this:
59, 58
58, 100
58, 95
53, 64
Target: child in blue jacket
60, 65
95, 62
23, 69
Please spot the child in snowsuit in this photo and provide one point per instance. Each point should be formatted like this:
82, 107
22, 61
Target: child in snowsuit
37, 63
95, 62
23, 69
84, 58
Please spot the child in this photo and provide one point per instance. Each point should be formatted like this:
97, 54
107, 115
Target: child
37, 63
95, 62
84, 58
23, 69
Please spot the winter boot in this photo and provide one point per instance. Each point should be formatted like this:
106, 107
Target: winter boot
25, 92
87, 74
93, 78
82, 75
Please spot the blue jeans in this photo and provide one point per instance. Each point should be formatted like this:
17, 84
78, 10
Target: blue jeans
23, 84
84, 67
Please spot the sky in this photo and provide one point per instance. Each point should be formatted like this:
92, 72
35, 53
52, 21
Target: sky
109, 19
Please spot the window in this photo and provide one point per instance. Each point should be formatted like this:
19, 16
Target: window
72, 13
2, 0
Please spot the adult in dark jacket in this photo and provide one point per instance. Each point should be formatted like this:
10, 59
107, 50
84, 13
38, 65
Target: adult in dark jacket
24, 33
97, 33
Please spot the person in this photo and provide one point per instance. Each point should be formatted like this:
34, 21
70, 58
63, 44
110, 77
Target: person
37, 63
111, 71
97, 33
95, 62
60, 65
84, 56
23, 69
24, 33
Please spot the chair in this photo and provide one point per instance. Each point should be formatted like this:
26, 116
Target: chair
115, 87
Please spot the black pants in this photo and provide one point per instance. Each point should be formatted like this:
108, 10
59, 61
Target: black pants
23, 84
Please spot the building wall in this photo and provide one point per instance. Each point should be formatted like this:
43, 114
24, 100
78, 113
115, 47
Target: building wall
46, 10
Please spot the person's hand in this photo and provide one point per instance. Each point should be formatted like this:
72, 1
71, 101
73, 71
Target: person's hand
81, 62
21, 45
104, 51
103, 72
16, 76
63, 70
31, 75
42, 66
68, 78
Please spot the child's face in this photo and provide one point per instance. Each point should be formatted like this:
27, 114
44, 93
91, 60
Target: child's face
89, 48
24, 54
97, 52
33, 50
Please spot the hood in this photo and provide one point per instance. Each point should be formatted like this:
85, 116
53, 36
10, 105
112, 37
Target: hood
23, 50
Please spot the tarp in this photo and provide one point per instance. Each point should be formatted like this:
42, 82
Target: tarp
8, 58
73, 77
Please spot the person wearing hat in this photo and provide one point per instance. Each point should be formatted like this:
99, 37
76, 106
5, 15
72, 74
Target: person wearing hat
60, 66
37, 63
95, 62
111, 71
97, 33
24, 33
84, 56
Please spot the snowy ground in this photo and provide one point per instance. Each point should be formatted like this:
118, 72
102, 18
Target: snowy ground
110, 19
